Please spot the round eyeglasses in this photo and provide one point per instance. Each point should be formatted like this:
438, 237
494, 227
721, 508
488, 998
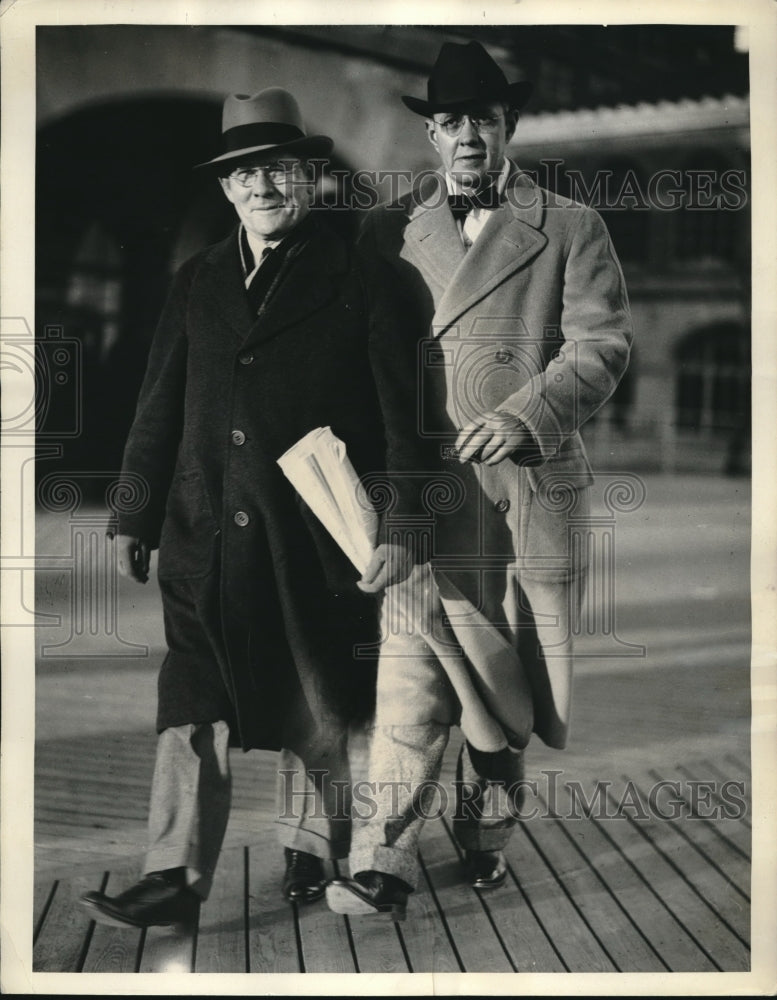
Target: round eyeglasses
276, 172
453, 124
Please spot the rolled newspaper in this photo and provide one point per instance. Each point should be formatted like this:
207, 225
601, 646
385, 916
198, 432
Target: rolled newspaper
483, 667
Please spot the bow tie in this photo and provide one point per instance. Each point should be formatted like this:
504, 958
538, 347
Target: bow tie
462, 204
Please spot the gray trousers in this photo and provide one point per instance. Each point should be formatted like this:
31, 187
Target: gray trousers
415, 709
404, 791
191, 794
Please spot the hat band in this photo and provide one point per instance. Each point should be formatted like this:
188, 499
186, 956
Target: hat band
260, 134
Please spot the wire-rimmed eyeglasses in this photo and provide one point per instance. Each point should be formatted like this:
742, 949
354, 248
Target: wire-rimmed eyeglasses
276, 172
453, 124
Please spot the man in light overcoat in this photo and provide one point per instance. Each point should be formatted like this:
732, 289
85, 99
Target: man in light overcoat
518, 321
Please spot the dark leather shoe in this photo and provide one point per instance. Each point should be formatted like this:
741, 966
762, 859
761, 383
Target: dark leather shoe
158, 900
304, 881
369, 892
485, 869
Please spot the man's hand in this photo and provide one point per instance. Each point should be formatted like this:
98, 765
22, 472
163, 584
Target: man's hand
389, 564
491, 437
133, 556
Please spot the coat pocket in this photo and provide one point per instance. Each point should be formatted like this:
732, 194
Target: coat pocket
556, 496
189, 531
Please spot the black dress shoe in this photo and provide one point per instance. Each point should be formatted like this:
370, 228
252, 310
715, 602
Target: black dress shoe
304, 881
158, 900
485, 869
369, 892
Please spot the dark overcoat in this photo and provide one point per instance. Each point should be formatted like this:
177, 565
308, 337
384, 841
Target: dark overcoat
261, 609
533, 320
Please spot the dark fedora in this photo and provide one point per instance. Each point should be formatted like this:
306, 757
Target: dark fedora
269, 121
465, 73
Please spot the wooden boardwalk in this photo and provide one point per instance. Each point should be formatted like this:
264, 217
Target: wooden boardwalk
613, 887
598, 882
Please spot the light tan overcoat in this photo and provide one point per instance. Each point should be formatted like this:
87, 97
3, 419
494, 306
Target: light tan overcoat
533, 319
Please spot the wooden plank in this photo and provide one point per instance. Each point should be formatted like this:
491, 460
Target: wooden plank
597, 906
521, 934
689, 848
561, 920
636, 895
81, 786
694, 939
477, 946
736, 826
733, 833
272, 939
377, 945
115, 949
43, 892
743, 775
67, 927
324, 937
66, 803
729, 851
221, 939
168, 949
424, 937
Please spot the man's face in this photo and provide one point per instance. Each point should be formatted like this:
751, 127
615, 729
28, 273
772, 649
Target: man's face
471, 155
271, 194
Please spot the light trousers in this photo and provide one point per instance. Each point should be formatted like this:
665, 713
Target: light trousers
191, 794
404, 791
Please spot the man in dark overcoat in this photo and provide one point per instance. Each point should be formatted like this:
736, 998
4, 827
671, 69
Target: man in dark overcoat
264, 337
516, 309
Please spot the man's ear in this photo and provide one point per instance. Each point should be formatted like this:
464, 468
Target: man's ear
511, 121
431, 134
224, 182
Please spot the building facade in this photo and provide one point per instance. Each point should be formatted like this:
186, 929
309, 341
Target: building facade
125, 111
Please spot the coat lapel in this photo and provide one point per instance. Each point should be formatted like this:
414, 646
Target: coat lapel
224, 287
510, 239
431, 239
306, 284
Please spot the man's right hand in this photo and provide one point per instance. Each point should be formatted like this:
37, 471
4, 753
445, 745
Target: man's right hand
133, 557
390, 564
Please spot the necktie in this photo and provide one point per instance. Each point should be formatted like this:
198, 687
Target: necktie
264, 277
462, 204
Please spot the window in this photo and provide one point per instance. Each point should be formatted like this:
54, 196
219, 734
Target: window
713, 379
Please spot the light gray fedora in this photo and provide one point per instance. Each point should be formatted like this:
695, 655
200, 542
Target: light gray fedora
269, 121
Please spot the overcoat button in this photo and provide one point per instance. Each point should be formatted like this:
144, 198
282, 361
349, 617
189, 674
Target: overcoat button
502, 506
238, 438
503, 356
241, 519
247, 358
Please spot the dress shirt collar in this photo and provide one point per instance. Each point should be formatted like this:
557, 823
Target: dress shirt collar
501, 180
252, 251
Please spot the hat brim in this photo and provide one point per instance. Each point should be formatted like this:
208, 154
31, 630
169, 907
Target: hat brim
515, 94
309, 145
